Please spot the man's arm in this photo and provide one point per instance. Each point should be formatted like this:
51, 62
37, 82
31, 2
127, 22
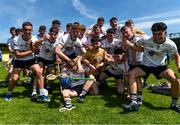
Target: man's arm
133, 46
39, 42
58, 51
177, 60
20, 54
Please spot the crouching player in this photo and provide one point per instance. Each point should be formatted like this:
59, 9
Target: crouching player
72, 88
117, 68
95, 59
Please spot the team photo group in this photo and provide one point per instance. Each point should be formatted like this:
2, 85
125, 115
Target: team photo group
82, 58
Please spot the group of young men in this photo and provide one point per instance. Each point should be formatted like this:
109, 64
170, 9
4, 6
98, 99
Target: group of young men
86, 57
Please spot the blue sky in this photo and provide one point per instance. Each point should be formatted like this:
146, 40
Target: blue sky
143, 12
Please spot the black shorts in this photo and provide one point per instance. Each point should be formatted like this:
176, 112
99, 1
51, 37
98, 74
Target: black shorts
72, 56
156, 71
45, 62
112, 75
78, 89
23, 63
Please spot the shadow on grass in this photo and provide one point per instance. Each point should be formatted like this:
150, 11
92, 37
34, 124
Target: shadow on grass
112, 97
56, 100
152, 107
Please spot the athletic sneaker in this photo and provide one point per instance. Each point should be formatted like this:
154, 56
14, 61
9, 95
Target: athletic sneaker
8, 97
67, 108
34, 96
139, 101
5, 84
44, 98
130, 107
175, 108
80, 99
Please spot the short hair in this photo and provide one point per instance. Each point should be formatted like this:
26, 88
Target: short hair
27, 24
95, 39
53, 30
100, 19
42, 27
110, 31
118, 51
95, 26
159, 26
83, 27
18, 31
113, 18
56, 22
124, 28
76, 23
75, 27
69, 25
12, 28
129, 22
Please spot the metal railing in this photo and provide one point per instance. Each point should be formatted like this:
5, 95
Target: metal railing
173, 35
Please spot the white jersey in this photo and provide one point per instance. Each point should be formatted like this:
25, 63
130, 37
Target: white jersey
38, 36
20, 45
84, 39
10, 42
118, 33
110, 46
154, 53
118, 68
70, 46
139, 55
47, 50
60, 35
103, 29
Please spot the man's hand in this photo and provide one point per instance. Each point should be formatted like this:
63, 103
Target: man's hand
71, 63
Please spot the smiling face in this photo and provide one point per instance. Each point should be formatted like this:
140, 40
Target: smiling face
114, 24
118, 57
13, 33
127, 33
27, 32
53, 35
159, 36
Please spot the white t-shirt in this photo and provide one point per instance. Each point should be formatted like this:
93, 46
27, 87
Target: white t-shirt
103, 29
154, 53
60, 35
70, 46
47, 50
10, 43
118, 33
118, 68
139, 55
19, 44
110, 46
84, 39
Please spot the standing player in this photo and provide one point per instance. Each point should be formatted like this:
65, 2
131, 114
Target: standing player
155, 49
24, 58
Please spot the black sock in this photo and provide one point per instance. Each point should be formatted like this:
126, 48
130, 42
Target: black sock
83, 93
174, 101
139, 96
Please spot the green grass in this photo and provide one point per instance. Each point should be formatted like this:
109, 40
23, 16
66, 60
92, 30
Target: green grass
102, 109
